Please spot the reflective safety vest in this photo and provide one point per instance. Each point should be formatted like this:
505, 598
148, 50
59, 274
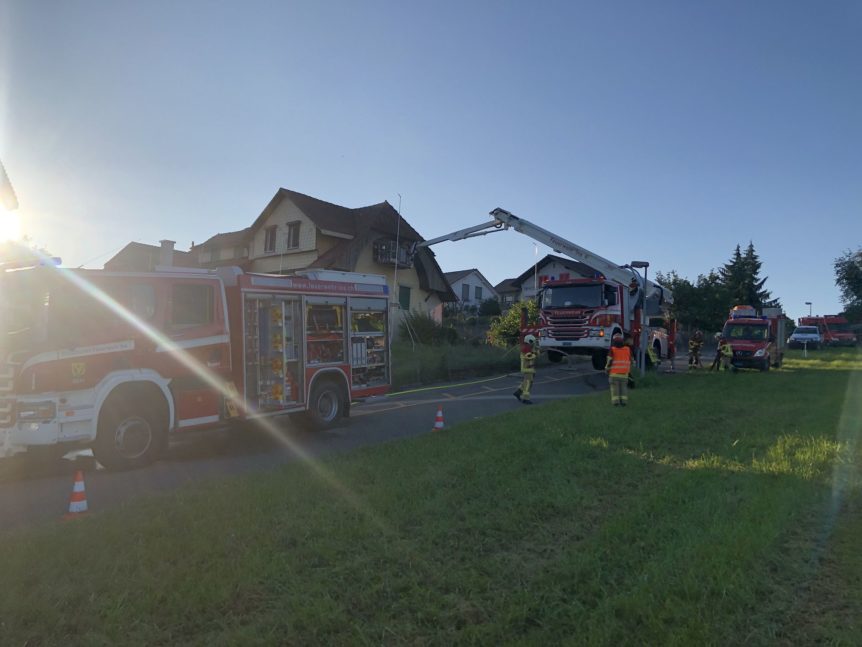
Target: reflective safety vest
726, 350
620, 360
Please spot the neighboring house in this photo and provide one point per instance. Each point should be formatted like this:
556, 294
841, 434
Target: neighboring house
140, 257
550, 268
508, 293
296, 231
470, 287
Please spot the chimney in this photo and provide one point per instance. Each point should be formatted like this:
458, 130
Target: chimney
166, 254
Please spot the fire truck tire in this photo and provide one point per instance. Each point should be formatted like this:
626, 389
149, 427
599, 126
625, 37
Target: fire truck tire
555, 357
600, 358
326, 405
765, 365
132, 428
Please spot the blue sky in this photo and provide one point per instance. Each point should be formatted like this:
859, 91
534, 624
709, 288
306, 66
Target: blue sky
664, 131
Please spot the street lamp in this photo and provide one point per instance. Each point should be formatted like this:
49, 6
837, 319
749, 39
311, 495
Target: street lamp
808, 303
642, 349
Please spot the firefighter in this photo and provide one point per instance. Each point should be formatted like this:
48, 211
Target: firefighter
726, 351
529, 353
716, 361
618, 367
652, 357
628, 342
695, 344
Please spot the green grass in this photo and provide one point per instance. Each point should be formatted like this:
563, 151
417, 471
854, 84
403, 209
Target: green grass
715, 509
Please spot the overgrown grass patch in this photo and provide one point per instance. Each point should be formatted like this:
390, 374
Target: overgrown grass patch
414, 364
703, 513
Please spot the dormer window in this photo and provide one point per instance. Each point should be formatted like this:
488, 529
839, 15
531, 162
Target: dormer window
269, 240
292, 240
387, 253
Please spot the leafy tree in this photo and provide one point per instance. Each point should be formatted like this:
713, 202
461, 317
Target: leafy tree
848, 277
705, 303
696, 305
506, 328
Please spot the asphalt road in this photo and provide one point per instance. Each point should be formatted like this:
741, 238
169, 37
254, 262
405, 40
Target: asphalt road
35, 493
32, 493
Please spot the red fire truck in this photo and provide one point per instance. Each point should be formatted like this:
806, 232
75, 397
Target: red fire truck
757, 339
580, 316
118, 361
834, 329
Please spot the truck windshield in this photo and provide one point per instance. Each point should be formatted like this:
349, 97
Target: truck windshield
751, 332
806, 330
572, 296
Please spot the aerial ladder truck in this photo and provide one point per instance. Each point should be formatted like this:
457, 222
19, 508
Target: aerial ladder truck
580, 316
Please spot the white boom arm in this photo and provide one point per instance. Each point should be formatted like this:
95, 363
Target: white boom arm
505, 220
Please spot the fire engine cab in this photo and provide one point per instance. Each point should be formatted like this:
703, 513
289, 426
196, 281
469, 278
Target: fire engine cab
118, 361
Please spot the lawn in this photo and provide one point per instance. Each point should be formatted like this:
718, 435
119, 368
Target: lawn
715, 509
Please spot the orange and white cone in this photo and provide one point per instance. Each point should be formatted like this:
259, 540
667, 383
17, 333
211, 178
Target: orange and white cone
438, 421
78, 498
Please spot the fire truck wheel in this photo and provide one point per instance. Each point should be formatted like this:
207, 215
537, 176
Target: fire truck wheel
765, 365
326, 405
600, 358
132, 430
554, 357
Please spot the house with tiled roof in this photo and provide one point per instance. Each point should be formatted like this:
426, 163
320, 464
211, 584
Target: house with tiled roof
551, 268
141, 257
508, 293
296, 231
470, 287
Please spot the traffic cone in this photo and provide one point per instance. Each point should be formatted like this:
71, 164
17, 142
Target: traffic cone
78, 498
438, 421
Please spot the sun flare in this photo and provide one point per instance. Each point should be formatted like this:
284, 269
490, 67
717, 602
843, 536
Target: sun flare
10, 225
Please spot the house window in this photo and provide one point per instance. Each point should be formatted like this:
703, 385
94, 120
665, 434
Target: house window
478, 293
465, 292
387, 253
192, 304
292, 235
269, 240
404, 297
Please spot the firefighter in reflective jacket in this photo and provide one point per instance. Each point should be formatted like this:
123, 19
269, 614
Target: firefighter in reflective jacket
529, 353
618, 366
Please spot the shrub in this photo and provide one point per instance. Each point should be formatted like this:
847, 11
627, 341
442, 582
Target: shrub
425, 330
489, 307
506, 328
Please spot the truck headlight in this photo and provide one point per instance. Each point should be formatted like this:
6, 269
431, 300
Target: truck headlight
596, 332
760, 352
36, 410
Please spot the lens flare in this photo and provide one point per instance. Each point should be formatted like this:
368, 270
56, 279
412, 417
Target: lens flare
218, 383
10, 225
